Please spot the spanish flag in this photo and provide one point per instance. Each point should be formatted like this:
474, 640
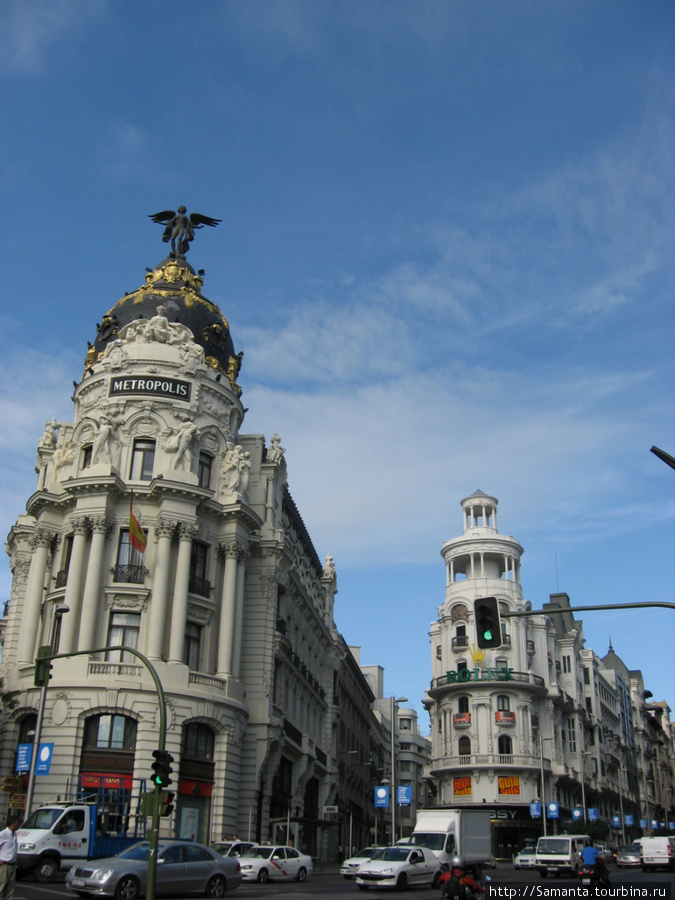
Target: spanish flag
137, 537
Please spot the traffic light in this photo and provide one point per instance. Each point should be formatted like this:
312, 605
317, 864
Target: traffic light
43, 667
166, 806
11, 784
162, 768
488, 625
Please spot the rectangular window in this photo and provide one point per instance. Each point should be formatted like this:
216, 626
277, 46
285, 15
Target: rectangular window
192, 646
587, 677
204, 470
123, 631
572, 735
198, 569
129, 568
142, 460
86, 456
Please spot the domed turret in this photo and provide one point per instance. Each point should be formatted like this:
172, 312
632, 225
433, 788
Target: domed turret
175, 287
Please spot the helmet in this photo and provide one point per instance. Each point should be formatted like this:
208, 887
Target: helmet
457, 862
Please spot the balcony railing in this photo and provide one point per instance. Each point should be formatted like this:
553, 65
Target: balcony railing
483, 679
199, 586
461, 720
521, 760
460, 641
502, 717
129, 574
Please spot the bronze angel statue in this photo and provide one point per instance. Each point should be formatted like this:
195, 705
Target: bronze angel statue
180, 228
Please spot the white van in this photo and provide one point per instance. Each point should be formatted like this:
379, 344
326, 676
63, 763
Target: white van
560, 854
657, 851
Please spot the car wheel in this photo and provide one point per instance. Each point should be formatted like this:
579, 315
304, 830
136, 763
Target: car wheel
47, 869
434, 883
302, 875
216, 887
263, 876
401, 882
127, 888
363, 887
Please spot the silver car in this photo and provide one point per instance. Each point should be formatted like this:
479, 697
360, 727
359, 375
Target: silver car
182, 867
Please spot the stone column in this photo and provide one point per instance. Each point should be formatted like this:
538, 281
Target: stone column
186, 535
70, 625
92, 601
242, 558
160, 581
227, 608
32, 607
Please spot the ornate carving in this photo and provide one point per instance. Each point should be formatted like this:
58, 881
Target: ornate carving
187, 531
235, 474
101, 525
126, 601
48, 439
165, 528
199, 615
180, 443
42, 538
275, 451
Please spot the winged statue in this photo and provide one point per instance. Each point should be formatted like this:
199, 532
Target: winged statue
180, 228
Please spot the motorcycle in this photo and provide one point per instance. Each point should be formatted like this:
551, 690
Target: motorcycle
594, 876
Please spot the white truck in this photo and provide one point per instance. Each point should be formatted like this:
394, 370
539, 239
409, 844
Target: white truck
456, 832
58, 835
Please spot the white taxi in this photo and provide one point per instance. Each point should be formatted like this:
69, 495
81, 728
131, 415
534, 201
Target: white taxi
399, 867
275, 864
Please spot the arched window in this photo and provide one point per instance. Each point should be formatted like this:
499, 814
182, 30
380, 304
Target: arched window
27, 729
464, 746
198, 741
505, 745
463, 704
503, 703
108, 732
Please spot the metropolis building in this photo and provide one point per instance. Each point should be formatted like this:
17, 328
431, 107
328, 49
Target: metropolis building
229, 602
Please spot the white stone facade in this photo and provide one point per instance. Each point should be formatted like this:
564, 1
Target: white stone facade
229, 602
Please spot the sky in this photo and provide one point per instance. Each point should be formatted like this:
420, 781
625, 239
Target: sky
446, 251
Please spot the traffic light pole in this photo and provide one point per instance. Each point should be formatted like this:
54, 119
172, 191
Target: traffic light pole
563, 609
153, 838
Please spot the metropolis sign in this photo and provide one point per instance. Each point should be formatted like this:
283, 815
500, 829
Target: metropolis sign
163, 387
464, 675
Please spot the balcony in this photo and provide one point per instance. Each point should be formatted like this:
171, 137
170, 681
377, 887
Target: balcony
503, 717
490, 760
461, 720
129, 574
486, 677
460, 642
199, 586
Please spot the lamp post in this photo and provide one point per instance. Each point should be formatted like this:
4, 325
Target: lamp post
351, 810
394, 705
59, 611
543, 789
582, 756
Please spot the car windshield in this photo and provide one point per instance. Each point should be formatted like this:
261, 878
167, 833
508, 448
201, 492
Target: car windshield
138, 851
527, 851
432, 840
44, 818
552, 845
366, 853
258, 853
392, 854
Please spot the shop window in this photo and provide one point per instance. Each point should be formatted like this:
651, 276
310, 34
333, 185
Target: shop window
142, 460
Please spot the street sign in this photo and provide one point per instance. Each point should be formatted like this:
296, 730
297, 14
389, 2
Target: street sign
381, 796
535, 810
404, 795
552, 810
24, 755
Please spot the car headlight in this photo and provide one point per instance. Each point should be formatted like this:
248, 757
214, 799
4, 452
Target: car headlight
26, 848
101, 874
389, 871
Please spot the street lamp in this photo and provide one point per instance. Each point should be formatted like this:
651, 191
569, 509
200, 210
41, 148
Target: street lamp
543, 789
394, 704
582, 756
59, 611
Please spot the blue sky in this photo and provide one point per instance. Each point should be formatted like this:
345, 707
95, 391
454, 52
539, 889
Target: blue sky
446, 252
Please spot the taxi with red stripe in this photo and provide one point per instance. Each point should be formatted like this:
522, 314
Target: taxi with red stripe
275, 863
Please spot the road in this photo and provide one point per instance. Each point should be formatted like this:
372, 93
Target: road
331, 886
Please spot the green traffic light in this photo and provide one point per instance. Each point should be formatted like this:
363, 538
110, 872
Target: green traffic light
487, 635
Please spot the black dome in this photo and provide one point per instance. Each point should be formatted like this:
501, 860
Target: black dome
175, 285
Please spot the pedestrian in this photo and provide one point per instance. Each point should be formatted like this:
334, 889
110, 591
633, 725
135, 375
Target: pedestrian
8, 848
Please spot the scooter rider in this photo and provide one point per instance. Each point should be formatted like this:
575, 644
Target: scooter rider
456, 884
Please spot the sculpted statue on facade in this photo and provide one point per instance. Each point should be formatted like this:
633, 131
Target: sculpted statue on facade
180, 228
329, 567
180, 443
275, 451
102, 449
192, 355
117, 354
48, 439
235, 473
63, 456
